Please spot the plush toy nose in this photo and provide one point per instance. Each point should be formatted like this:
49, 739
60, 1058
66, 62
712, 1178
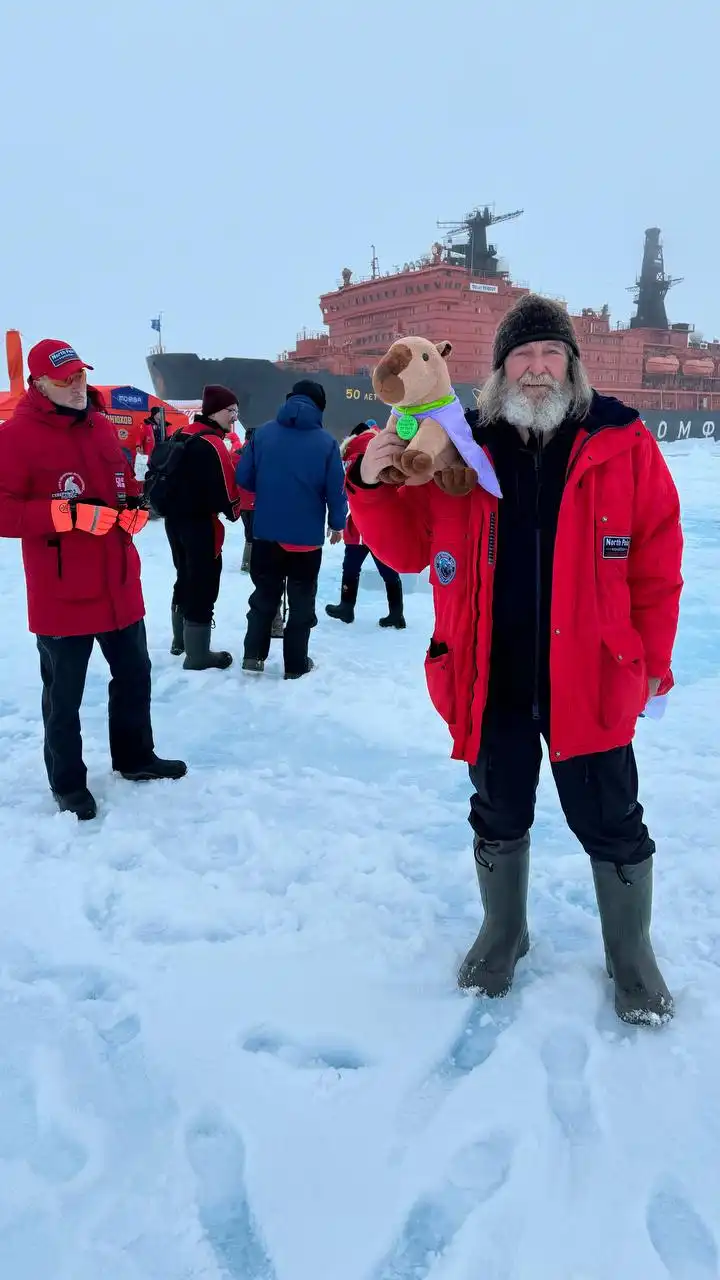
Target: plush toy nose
391, 388
386, 379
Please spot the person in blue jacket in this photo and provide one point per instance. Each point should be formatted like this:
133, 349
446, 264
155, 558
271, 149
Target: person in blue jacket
293, 467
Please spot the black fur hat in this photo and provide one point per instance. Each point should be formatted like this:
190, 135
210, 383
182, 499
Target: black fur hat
533, 319
312, 390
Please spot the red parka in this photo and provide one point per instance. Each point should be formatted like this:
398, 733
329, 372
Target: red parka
615, 595
247, 499
77, 584
351, 449
135, 439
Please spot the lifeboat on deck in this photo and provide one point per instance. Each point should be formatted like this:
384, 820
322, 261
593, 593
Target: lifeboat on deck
699, 367
665, 365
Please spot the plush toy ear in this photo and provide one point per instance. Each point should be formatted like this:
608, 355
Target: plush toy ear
444, 348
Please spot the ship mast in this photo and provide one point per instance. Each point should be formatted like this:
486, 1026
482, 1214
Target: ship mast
156, 324
651, 287
472, 250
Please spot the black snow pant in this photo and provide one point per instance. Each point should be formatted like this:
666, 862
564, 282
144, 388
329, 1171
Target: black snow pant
198, 568
354, 559
63, 667
248, 519
270, 567
598, 793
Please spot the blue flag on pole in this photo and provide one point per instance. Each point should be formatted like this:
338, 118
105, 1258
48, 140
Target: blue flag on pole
155, 324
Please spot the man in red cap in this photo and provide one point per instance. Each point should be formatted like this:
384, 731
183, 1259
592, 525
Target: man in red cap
67, 492
200, 487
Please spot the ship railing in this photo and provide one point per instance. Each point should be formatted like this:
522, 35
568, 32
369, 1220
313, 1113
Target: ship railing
389, 275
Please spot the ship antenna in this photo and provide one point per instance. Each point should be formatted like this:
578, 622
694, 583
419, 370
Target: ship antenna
474, 253
375, 267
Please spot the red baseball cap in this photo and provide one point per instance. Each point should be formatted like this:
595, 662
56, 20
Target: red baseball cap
52, 358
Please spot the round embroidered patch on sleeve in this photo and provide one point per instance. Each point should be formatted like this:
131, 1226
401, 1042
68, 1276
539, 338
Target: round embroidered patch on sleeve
445, 567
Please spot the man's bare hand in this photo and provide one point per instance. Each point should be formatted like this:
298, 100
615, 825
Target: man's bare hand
335, 537
382, 453
654, 685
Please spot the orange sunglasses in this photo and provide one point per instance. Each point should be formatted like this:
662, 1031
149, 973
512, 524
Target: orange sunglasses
76, 379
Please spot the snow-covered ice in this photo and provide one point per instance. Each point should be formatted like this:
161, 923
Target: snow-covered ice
230, 1043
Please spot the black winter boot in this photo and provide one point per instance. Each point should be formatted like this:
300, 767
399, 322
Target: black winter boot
298, 675
395, 617
624, 897
153, 769
178, 626
200, 657
503, 868
81, 803
345, 611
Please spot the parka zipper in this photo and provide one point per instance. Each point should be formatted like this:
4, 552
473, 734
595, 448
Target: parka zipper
538, 567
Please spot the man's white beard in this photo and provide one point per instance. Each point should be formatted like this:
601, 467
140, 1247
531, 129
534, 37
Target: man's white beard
542, 415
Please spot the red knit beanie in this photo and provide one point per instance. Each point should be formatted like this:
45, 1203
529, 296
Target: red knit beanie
216, 398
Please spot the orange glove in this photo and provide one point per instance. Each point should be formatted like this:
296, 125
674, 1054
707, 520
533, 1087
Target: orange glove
89, 517
62, 516
133, 522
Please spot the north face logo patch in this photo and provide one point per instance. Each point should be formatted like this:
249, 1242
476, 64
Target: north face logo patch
65, 354
615, 548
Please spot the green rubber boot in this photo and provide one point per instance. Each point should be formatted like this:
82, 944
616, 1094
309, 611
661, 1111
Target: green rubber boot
503, 869
199, 655
624, 897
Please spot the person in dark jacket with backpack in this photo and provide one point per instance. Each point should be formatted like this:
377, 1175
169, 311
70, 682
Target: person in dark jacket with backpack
195, 471
293, 467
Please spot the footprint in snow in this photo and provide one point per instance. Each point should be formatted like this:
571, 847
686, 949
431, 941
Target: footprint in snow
51, 1153
477, 1038
473, 1044
306, 1054
683, 1242
102, 913
77, 982
564, 1055
477, 1173
216, 1154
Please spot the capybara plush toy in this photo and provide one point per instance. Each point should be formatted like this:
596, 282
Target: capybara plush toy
434, 439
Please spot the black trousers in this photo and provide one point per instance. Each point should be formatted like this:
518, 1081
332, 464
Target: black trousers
63, 667
598, 793
248, 519
354, 559
198, 568
270, 567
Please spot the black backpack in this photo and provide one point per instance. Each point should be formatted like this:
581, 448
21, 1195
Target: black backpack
163, 471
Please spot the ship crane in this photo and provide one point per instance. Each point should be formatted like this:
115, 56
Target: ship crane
474, 253
652, 285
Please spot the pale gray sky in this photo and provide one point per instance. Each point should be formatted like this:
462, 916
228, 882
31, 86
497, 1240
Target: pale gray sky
223, 160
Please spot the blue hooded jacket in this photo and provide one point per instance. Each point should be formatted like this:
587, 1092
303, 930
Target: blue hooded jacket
294, 468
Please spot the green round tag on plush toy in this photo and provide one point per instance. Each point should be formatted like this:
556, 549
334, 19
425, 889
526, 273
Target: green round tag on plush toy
406, 426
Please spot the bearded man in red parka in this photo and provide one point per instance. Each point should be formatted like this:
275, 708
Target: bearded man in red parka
556, 609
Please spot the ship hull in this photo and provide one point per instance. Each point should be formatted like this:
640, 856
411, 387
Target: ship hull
261, 387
